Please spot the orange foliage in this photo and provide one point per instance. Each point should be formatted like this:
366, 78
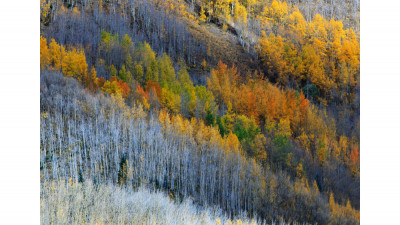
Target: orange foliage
90, 80
142, 96
100, 82
221, 83
124, 88
245, 101
155, 87
258, 98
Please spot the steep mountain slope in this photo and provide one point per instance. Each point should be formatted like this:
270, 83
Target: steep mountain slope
283, 143
225, 46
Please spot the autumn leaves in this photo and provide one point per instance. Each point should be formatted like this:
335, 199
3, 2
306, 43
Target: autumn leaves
72, 63
320, 52
250, 109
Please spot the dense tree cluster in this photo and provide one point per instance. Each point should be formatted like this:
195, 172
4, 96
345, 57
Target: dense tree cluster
282, 127
319, 52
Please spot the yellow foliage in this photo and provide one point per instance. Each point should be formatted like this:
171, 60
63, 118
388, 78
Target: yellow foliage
44, 53
170, 100
319, 51
56, 52
272, 51
44, 10
274, 17
297, 25
76, 12
204, 63
284, 128
232, 143
240, 13
203, 18
74, 64
111, 88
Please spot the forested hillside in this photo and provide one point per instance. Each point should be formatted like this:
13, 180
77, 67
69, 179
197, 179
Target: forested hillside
248, 106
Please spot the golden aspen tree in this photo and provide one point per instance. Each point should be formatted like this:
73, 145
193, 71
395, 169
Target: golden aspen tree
81, 64
273, 102
222, 9
284, 128
91, 79
232, 143
203, 17
221, 83
44, 53
272, 52
245, 103
240, 13
275, 16
317, 28
297, 26
170, 100
291, 61
303, 106
260, 154
182, 9
74, 63
229, 117
55, 54
314, 69
68, 63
